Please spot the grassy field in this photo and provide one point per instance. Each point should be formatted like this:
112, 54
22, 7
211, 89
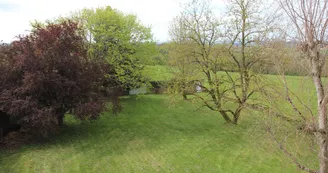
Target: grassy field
152, 134
157, 73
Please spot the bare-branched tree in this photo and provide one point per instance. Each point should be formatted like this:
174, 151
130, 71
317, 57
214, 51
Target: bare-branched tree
310, 20
224, 50
198, 30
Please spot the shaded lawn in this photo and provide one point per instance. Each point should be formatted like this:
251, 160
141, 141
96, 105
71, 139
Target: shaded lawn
151, 135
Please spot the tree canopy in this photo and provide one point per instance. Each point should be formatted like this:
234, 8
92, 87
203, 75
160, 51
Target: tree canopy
119, 39
47, 73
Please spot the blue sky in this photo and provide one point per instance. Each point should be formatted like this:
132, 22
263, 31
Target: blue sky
16, 15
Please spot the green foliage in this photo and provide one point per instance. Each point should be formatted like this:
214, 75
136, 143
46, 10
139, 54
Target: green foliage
184, 70
157, 73
161, 58
121, 39
118, 39
147, 53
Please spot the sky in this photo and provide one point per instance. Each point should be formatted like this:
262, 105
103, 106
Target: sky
16, 15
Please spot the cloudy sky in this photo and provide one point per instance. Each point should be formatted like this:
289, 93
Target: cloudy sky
17, 14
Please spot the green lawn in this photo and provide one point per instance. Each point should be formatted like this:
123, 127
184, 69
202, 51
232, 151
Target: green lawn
152, 135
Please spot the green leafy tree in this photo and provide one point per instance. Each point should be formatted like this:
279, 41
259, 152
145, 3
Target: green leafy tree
118, 39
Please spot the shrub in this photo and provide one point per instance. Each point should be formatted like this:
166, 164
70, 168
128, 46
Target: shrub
47, 73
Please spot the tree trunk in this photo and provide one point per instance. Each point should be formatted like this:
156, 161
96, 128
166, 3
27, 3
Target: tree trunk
236, 116
1, 133
322, 137
322, 114
60, 120
225, 116
184, 96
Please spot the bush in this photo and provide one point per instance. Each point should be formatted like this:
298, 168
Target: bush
46, 74
158, 87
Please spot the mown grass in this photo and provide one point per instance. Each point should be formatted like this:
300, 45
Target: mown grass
152, 135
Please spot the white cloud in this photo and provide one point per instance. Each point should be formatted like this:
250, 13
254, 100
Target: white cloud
16, 20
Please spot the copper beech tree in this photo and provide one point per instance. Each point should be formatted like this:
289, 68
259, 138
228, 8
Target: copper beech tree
47, 73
